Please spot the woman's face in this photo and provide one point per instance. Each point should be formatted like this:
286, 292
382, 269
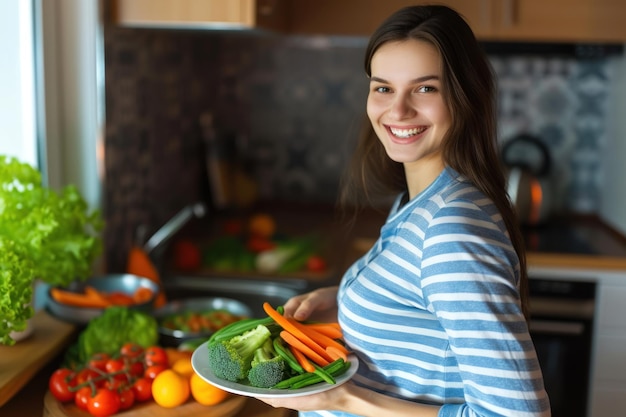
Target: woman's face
405, 103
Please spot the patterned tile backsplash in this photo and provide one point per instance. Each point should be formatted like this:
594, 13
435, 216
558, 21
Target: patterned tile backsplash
292, 108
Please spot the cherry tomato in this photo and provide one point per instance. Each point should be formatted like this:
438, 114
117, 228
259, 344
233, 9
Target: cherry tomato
316, 263
83, 395
142, 389
114, 384
85, 375
135, 367
60, 384
127, 398
117, 367
131, 350
98, 361
104, 403
153, 370
155, 355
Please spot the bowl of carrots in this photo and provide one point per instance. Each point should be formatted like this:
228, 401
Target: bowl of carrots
82, 301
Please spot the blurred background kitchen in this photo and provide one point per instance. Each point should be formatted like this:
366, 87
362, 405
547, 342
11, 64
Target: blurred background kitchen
136, 101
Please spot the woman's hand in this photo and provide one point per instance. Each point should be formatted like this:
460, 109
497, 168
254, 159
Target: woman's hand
327, 400
320, 305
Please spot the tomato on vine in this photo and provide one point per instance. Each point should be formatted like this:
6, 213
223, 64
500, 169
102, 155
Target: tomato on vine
131, 350
152, 371
60, 384
127, 398
85, 375
83, 395
142, 387
155, 355
98, 361
104, 403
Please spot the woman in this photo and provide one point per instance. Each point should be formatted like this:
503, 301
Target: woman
435, 311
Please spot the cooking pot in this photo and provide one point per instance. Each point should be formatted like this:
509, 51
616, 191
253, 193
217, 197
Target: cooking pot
528, 163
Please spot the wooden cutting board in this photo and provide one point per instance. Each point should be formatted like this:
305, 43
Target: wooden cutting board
228, 408
20, 362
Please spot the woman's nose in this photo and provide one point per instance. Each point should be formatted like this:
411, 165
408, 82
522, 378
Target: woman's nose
401, 107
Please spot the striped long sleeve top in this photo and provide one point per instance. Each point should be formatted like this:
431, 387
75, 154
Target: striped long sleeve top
433, 312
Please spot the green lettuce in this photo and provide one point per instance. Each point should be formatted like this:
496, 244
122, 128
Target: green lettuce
53, 235
115, 327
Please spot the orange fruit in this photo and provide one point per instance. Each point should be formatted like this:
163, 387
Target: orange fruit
183, 367
205, 393
262, 225
170, 389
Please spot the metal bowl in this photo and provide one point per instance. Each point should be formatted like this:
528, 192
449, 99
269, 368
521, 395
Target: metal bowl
174, 337
125, 283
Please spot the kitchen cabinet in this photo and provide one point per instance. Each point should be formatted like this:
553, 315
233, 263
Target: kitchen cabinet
268, 14
491, 20
495, 20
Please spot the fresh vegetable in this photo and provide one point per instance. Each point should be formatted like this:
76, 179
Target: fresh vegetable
312, 352
296, 336
301, 348
44, 234
139, 263
106, 402
60, 383
334, 369
94, 298
231, 359
268, 368
199, 321
110, 331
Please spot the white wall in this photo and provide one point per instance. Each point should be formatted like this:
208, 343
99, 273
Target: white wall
17, 81
613, 205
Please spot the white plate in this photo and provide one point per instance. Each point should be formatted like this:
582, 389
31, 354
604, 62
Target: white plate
200, 364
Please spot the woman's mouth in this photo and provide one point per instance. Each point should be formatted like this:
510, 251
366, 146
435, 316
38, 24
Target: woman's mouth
406, 133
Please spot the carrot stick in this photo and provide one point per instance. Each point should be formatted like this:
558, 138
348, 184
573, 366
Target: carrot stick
96, 295
335, 353
76, 299
329, 329
293, 341
296, 332
302, 360
319, 338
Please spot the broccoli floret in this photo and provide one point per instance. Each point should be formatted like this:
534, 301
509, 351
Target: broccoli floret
268, 368
231, 359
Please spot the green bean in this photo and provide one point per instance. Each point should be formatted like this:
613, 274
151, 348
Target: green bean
241, 326
339, 368
336, 368
286, 354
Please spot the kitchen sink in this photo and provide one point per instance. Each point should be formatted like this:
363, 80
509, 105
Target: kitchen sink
252, 292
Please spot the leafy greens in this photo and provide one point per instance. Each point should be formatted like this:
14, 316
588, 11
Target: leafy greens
44, 234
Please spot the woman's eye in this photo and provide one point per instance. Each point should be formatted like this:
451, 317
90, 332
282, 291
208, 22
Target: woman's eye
426, 89
382, 89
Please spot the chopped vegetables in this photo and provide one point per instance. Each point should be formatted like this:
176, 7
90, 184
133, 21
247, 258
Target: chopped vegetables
278, 352
199, 321
94, 298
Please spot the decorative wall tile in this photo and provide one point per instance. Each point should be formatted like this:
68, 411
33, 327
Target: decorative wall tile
294, 105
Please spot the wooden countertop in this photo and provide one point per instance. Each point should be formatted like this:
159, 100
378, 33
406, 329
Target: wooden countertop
19, 363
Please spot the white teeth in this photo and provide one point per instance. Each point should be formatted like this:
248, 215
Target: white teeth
405, 133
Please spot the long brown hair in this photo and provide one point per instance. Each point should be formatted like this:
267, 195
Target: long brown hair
470, 146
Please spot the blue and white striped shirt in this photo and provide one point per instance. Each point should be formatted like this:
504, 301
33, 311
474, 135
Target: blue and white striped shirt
433, 312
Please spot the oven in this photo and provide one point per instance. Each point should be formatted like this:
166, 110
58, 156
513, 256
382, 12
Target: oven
561, 327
